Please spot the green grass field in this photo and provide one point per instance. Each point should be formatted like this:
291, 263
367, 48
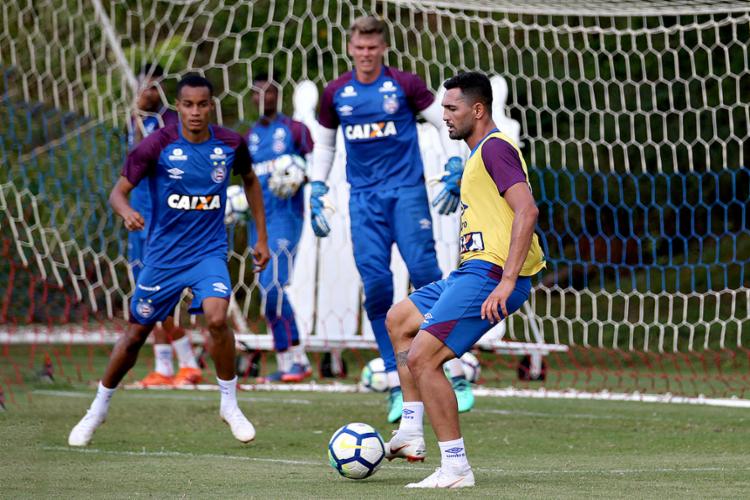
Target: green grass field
172, 444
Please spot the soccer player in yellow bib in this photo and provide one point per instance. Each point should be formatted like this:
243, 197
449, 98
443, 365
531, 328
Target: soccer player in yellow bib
499, 255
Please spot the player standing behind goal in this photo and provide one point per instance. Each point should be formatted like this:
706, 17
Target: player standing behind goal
151, 115
376, 106
499, 255
187, 167
271, 137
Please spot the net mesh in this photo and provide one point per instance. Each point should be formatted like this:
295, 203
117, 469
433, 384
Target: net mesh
634, 122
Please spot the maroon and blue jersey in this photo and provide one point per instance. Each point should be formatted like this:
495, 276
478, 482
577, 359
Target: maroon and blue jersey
268, 141
187, 183
140, 198
379, 124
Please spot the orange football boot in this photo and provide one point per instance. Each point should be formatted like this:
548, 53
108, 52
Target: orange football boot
156, 379
188, 376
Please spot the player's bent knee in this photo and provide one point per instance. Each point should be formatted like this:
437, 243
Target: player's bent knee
403, 320
415, 361
136, 336
216, 323
392, 323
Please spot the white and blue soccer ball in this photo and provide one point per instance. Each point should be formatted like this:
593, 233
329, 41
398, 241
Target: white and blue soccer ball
356, 450
287, 175
472, 368
374, 377
236, 208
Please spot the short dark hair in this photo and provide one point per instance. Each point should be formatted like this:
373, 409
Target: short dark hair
194, 80
151, 70
474, 85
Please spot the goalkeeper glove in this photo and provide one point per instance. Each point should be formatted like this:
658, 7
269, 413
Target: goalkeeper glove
318, 203
448, 199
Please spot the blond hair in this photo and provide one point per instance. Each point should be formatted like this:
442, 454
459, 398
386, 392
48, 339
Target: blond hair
367, 25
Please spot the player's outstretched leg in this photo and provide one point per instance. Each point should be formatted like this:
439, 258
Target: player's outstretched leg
221, 348
407, 442
425, 361
122, 359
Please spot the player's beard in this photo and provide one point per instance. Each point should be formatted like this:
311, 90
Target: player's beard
458, 134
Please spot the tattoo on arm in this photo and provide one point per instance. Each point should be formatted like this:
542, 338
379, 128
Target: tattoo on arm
401, 357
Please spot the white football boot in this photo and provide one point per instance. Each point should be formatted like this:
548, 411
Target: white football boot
445, 479
413, 450
241, 427
84, 430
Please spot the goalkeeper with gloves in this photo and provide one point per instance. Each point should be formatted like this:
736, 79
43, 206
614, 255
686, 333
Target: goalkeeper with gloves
277, 145
376, 107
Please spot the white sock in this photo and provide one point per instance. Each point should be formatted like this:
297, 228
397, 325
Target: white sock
284, 361
163, 359
100, 404
455, 368
299, 355
228, 390
453, 455
412, 415
184, 350
393, 380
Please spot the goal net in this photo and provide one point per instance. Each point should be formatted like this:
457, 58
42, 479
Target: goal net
632, 116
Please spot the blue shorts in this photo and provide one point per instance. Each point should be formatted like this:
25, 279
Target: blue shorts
158, 291
452, 307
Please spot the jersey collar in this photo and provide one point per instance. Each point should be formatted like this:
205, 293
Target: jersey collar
210, 132
483, 139
263, 123
354, 77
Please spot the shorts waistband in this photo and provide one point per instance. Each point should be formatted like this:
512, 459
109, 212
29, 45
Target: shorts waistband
493, 270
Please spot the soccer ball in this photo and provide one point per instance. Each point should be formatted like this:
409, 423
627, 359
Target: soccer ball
471, 367
356, 451
287, 175
236, 207
374, 377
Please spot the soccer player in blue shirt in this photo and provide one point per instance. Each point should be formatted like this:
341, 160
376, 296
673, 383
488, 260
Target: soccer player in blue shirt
187, 168
272, 137
151, 115
376, 107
